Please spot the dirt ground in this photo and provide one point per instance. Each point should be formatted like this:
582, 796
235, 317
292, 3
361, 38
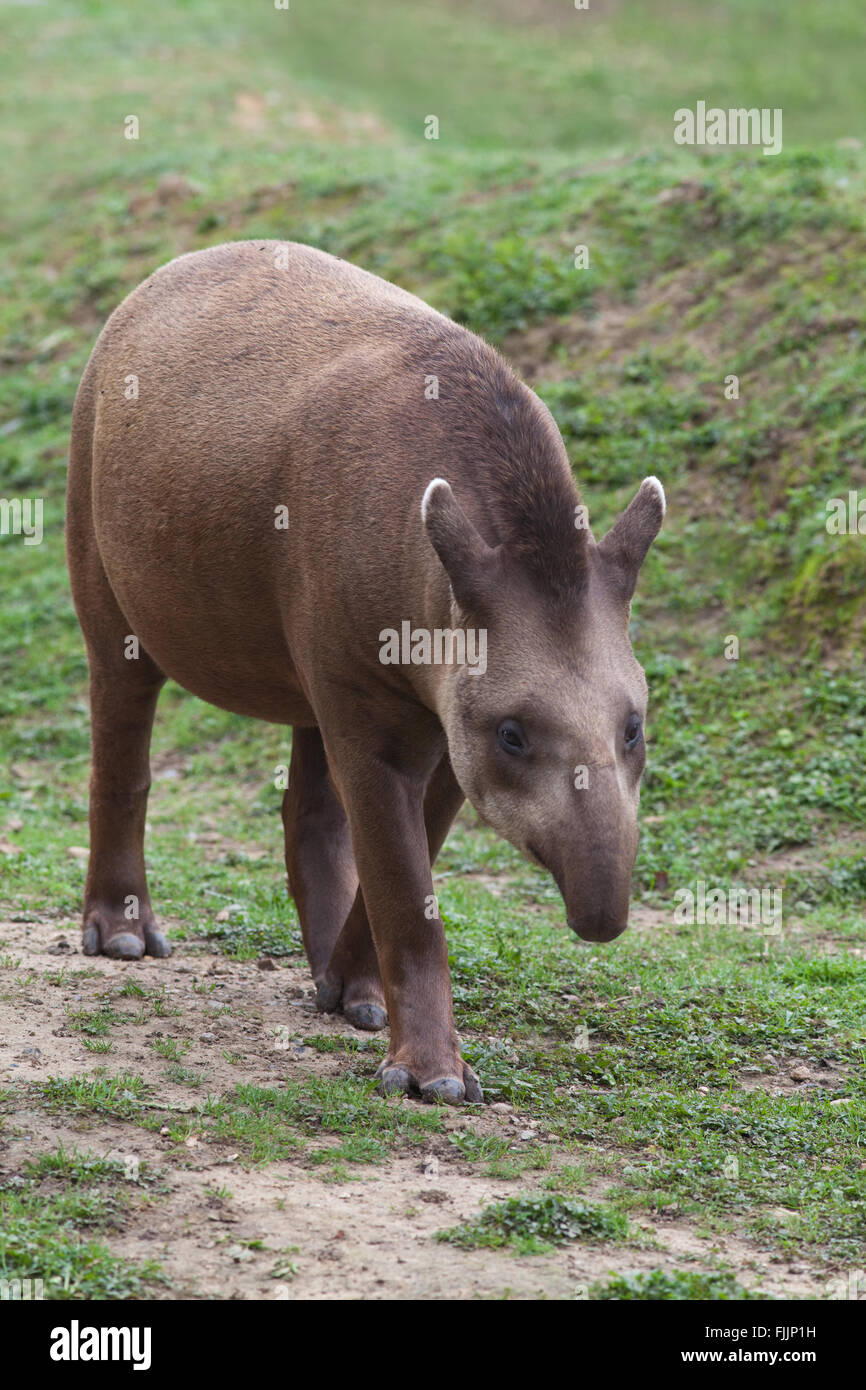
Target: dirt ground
369, 1237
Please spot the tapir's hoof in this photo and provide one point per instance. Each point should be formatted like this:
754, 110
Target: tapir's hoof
445, 1090
155, 943
366, 1015
97, 939
122, 946
369, 1017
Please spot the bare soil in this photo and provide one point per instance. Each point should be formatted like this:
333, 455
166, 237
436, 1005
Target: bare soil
367, 1237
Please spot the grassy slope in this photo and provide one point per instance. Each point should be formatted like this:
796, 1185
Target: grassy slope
699, 268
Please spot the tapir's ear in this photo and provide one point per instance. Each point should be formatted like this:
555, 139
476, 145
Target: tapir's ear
625, 546
465, 555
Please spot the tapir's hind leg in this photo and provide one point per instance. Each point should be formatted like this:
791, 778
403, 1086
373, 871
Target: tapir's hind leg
124, 685
118, 919
323, 879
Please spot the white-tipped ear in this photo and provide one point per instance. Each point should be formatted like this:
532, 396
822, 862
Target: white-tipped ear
625, 546
428, 493
653, 482
463, 551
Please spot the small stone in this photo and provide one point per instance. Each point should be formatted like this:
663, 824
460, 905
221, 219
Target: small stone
800, 1074
265, 963
239, 1253
501, 1107
208, 1037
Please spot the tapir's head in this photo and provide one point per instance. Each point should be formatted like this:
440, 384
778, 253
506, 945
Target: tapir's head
546, 736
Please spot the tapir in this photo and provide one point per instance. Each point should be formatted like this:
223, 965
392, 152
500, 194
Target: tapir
277, 458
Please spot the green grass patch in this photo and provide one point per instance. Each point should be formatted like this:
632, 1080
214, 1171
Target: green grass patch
532, 1225
54, 1218
676, 1285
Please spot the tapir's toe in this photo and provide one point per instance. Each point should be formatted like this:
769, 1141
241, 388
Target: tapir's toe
447, 1089
474, 1093
155, 943
124, 946
328, 995
395, 1081
370, 1017
91, 944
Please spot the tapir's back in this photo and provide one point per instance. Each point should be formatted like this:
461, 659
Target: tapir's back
239, 387
241, 335
293, 298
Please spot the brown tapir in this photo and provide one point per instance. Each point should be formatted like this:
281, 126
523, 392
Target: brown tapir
277, 462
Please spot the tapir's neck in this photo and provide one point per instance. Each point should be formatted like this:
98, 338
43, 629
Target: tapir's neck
445, 641
498, 447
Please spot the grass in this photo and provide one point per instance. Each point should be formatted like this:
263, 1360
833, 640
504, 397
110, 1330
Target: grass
690, 1286
54, 1219
263, 1124
532, 1225
267, 1123
656, 1062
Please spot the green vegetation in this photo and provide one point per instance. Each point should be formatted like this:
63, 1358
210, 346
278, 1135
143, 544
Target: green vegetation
532, 1224
53, 1222
680, 1285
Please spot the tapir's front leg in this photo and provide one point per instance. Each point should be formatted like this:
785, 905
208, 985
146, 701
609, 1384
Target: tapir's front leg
385, 807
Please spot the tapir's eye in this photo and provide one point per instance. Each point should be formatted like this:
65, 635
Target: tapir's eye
632, 731
510, 736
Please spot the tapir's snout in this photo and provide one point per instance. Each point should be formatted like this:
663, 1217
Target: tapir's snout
599, 926
596, 904
594, 878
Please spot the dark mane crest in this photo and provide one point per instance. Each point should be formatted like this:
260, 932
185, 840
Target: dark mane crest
513, 460
531, 481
